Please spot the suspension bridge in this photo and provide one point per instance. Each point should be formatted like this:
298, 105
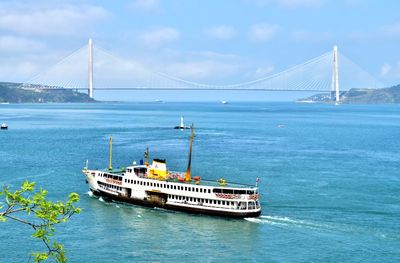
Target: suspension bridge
94, 68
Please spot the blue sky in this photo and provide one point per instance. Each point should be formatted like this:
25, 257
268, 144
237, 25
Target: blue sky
206, 41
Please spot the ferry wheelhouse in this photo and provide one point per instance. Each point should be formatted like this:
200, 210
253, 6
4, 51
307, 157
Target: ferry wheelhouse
155, 186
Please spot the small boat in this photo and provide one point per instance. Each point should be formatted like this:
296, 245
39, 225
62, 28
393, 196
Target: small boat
4, 126
182, 126
153, 185
224, 102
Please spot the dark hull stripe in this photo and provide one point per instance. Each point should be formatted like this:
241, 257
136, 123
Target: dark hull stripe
176, 208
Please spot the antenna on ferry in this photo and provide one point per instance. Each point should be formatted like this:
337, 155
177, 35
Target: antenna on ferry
110, 164
146, 155
187, 176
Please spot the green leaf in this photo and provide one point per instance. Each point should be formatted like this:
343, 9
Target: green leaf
40, 256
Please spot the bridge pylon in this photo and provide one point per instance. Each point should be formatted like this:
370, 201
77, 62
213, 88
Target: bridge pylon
335, 76
90, 69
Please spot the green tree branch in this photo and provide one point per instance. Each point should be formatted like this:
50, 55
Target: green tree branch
40, 214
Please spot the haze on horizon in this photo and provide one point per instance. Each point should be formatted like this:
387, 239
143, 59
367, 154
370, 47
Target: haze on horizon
203, 41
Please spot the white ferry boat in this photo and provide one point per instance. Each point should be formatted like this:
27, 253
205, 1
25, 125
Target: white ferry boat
154, 186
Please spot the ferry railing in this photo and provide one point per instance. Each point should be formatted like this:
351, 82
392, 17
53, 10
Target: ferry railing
238, 196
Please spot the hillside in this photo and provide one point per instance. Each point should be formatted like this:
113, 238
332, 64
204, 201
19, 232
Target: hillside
14, 93
360, 96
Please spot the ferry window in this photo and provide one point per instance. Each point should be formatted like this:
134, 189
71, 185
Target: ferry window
201, 190
192, 189
175, 187
185, 188
219, 202
197, 189
223, 202
148, 183
209, 191
215, 202
251, 205
227, 191
217, 190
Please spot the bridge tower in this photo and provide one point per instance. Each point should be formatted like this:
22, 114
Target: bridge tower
335, 92
90, 68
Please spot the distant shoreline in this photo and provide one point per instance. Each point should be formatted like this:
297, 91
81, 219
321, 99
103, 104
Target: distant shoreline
390, 95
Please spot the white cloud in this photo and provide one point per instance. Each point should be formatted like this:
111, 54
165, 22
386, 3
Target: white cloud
160, 36
60, 21
391, 71
264, 71
292, 4
145, 5
201, 70
221, 32
10, 44
306, 36
12, 71
301, 3
354, 3
263, 32
392, 30
385, 70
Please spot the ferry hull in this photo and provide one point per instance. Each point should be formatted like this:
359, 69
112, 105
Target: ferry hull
187, 209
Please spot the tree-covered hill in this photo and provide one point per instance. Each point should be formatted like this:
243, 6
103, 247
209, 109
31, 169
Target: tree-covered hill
360, 96
16, 93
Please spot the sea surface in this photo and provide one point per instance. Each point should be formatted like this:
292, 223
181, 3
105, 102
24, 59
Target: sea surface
330, 179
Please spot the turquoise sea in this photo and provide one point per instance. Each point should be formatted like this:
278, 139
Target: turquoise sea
330, 179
